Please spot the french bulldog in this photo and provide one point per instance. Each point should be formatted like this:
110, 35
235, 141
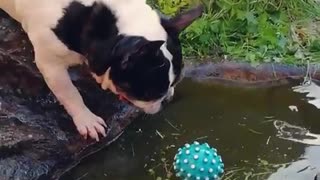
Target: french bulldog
130, 48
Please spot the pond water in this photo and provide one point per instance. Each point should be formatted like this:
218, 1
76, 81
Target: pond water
254, 130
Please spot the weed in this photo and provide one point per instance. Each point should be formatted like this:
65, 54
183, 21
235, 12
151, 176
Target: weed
256, 31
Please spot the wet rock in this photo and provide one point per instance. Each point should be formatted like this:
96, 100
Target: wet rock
37, 137
245, 75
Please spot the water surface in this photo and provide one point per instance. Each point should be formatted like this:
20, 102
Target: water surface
254, 130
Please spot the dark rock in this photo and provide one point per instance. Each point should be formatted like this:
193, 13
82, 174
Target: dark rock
247, 76
38, 139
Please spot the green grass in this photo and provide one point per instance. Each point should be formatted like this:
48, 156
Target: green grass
255, 31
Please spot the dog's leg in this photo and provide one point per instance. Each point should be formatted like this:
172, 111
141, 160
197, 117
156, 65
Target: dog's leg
58, 80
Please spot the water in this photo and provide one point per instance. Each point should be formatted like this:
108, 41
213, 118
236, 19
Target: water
254, 130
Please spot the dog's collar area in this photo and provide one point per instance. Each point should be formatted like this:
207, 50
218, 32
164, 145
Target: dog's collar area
124, 99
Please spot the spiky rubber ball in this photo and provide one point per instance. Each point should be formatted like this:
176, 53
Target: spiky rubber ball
198, 162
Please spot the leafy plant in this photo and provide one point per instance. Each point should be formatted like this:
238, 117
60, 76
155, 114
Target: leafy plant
251, 30
171, 7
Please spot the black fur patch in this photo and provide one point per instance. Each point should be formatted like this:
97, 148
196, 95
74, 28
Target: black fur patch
90, 31
72, 24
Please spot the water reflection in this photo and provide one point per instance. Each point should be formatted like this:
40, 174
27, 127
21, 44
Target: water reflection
255, 131
296, 133
303, 169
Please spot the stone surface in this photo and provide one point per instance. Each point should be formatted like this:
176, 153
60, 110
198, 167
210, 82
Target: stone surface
247, 76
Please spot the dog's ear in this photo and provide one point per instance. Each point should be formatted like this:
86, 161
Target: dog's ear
134, 45
149, 47
178, 23
131, 45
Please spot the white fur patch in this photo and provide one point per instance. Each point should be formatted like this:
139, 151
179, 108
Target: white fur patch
107, 82
136, 18
168, 56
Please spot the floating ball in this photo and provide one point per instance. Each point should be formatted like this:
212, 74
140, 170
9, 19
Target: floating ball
198, 162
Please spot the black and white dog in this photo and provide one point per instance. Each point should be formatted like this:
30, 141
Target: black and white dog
130, 49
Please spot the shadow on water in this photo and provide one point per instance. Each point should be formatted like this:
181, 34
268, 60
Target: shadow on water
253, 130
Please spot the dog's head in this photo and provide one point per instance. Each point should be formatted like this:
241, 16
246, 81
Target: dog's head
145, 72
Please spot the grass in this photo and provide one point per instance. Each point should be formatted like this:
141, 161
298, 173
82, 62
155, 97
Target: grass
255, 31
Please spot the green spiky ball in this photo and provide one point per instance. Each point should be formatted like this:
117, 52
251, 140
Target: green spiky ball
198, 162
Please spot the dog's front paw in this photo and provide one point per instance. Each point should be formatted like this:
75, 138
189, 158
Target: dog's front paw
88, 124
